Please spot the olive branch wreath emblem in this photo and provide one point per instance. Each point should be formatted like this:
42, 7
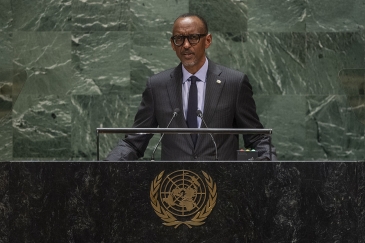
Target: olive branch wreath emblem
168, 218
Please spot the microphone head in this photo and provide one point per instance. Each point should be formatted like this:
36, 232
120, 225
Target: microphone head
177, 110
199, 113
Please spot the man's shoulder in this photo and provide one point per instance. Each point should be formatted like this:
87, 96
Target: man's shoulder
166, 74
226, 71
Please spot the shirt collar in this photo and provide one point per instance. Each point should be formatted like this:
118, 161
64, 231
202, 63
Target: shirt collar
201, 74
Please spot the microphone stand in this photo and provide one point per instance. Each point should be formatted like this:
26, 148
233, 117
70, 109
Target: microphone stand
176, 112
199, 113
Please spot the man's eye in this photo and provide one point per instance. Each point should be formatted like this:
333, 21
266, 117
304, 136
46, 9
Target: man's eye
178, 38
193, 37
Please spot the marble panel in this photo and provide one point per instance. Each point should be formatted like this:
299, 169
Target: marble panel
100, 61
356, 104
352, 81
42, 63
353, 85
41, 127
255, 202
6, 20
229, 50
40, 15
333, 130
6, 78
101, 15
6, 64
361, 195
327, 55
6, 132
277, 15
274, 62
5, 208
156, 15
42, 58
335, 15
222, 15
90, 112
285, 114
151, 53
316, 205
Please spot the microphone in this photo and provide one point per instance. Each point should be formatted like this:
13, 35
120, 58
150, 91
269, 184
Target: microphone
199, 113
176, 112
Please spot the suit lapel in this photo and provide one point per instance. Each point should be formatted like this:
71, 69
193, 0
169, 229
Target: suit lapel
213, 91
174, 89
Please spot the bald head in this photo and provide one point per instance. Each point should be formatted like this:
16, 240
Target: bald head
200, 18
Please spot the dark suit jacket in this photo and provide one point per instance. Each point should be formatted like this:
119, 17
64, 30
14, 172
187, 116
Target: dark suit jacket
228, 104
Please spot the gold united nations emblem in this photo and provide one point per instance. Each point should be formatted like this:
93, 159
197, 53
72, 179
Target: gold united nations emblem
182, 197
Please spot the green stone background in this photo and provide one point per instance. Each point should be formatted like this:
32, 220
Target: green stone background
70, 66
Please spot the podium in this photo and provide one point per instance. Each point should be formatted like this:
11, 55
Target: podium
283, 201
163, 131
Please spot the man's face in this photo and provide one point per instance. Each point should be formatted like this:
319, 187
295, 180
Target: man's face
192, 56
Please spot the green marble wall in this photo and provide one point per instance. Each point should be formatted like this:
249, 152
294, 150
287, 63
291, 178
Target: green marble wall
70, 66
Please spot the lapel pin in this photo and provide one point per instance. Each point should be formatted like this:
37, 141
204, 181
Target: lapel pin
218, 81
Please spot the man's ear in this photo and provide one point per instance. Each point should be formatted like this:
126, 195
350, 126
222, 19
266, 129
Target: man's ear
208, 40
172, 45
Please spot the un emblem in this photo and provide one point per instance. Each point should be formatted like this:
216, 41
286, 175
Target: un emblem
183, 194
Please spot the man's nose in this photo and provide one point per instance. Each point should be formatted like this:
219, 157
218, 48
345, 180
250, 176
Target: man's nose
186, 43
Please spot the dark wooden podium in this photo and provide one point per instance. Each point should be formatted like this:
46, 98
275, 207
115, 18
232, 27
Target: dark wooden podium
111, 202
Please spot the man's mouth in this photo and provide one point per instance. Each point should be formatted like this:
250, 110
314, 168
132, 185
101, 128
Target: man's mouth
188, 54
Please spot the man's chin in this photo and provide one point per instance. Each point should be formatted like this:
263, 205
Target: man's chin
189, 63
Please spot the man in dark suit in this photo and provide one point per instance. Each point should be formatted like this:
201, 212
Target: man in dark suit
223, 95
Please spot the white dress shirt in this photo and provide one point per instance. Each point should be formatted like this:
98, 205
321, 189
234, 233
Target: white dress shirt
201, 85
